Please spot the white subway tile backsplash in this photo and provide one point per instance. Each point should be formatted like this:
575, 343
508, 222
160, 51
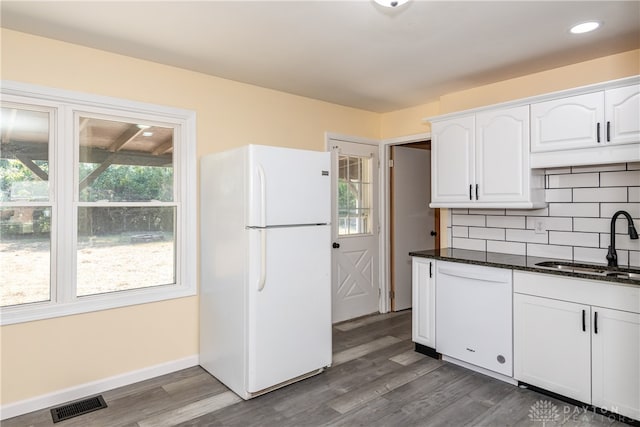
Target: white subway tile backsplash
568, 238
611, 194
549, 251
506, 221
581, 201
472, 220
507, 247
634, 258
460, 231
573, 180
620, 179
473, 244
551, 223
589, 210
622, 242
599, 168
607, 210
558, 195
526, 236
486, 233
598, 255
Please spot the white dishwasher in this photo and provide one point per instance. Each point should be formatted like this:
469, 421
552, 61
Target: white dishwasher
474, 315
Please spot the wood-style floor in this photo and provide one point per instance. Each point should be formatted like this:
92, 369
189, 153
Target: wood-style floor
376, 380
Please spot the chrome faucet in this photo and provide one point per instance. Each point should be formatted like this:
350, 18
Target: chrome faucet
612, 256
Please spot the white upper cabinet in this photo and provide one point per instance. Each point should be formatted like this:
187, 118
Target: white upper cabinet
482, 160
622, 114
566, 123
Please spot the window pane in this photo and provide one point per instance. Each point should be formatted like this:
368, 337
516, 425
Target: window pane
25, 255
24, 155
125, 162
123, 248
354, 195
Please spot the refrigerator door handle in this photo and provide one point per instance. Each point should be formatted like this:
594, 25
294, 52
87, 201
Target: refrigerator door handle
263, 259
263, 196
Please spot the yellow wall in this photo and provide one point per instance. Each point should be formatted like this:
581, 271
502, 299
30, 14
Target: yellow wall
44, 356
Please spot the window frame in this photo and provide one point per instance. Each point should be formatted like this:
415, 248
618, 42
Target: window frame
63, 181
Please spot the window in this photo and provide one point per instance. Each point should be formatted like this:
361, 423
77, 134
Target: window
97, 203
354, 195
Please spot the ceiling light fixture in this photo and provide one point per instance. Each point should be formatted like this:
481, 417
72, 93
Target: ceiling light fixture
391, 3
147, 133
585, 27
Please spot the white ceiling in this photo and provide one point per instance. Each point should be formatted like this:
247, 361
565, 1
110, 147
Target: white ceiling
353, 53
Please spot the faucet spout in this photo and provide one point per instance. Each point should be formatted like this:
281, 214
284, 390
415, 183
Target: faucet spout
612, 255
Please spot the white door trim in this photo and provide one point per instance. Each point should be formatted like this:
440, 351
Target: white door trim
385, 205
384, 303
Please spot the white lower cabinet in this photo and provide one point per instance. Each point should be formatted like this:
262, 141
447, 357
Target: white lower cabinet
551, 349
424, 302
575, 347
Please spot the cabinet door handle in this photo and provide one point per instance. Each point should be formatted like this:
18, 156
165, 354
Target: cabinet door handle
598, 132
608, 131
584, 321
430, 269
476, 191
470, 188
595, 322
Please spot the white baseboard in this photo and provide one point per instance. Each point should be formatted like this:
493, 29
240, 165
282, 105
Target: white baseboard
77, 392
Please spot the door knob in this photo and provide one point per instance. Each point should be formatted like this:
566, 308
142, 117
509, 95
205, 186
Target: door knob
336, 245
433, 233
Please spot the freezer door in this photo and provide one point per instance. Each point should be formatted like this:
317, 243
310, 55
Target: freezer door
290, 317
288, 186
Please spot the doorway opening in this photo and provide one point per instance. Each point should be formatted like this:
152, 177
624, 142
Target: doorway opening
412, 224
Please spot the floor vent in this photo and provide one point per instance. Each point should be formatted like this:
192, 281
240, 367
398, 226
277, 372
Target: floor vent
80, 407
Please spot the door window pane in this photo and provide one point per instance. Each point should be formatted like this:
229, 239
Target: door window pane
25, 255
122, 248
354, 195
124, 161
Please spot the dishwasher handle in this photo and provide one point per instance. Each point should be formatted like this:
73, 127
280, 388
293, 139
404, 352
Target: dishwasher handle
486, 277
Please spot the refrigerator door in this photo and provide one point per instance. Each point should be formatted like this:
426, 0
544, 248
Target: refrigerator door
288, 186
289, 330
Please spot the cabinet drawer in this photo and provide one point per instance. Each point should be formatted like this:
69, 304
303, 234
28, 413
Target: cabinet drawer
582, 291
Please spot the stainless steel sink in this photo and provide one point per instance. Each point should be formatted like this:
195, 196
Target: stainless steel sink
596, 270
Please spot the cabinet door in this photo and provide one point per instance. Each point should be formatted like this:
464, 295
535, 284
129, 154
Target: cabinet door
424, 302
616, 361
502, 155
566, 123
551, 347
622, 112
452, 159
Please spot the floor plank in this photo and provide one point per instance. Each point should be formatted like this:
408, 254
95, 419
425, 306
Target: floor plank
376, 379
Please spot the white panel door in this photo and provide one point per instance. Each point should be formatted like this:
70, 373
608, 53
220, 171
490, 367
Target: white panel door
288, 186
355, 260
413, 220
502, 155
452, 154
616, 361
424, 302
289, 327
552, 345
572, 122
622, 112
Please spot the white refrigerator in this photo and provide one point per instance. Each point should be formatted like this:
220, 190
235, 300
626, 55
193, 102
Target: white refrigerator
265, 283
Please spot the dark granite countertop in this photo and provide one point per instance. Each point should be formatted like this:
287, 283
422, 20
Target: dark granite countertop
514, 262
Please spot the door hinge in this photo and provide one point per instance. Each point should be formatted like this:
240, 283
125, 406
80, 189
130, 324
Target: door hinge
392, 294
390, 163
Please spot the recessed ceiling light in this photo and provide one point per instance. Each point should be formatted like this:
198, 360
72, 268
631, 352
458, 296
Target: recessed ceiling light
147, 133
143, 126
585, 27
